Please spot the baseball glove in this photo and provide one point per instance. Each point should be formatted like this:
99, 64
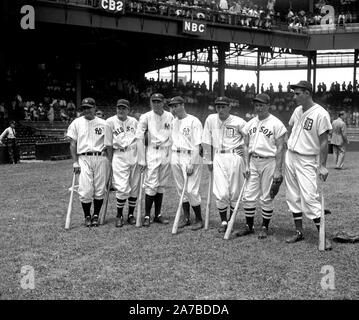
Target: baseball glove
346, 237
275, 186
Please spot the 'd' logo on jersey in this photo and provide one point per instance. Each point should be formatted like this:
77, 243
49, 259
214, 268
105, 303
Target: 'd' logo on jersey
167, 126
186, 131
308, 124
98, 131
229, 132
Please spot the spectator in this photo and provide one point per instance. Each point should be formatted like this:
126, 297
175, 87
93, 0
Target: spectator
280, 87
99, 114
2, 113
11, 142
51, 114
41, 110
339, 140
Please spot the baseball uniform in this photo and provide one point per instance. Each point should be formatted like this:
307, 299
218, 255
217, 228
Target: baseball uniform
121, 136
262, 149
227, 140
301, 160
89, 136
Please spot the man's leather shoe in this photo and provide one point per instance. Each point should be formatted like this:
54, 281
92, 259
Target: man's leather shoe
244, 232
297, 237
160, 219
146, 222
119, 222
131, 220
197, 225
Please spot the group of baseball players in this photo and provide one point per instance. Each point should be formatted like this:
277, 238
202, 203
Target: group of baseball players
244, 158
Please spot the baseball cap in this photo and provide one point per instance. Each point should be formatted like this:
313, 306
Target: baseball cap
123, 102
176, 100
303, 85
157, 97
341, 113
262, 97
222, 100
88, 102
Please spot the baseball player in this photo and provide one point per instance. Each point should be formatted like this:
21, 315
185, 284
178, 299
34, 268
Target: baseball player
155, 125
223, 147
10, 134
88, 152
307, 145
264, 138
339, 140
186, 160
120, 141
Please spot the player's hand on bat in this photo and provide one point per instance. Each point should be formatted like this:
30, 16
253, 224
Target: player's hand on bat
277, 175
189, 169
210, 167
246, 173
323, 173
76, 167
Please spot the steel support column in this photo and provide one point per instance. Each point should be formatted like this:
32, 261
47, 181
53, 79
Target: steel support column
356, 58
210, 60
221, 68
309, 67
78, 68
258, 69
314, 56
176, 71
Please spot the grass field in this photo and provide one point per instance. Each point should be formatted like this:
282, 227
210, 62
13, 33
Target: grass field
151, 263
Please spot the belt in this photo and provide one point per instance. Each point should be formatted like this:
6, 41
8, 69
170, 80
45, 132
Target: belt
182, 151
128, 148
91, 154
226, 151
159, 147
259, 157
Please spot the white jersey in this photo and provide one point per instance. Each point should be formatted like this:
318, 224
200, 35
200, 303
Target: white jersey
120, 134
263, 134
89, 134
307, 127
158, 127
223, 135
186, 133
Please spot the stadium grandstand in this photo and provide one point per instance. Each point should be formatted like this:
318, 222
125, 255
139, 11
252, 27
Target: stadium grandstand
104, 48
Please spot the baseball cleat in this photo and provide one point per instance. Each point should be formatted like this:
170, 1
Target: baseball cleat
131, 220
245, 232
160, 219
197, 225
184, 223
88, 221
222, 228
94, 222
263, 233
119, 222
297, 237
146, 222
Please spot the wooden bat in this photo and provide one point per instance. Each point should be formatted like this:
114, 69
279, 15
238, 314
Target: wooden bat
69, 207
233, 218
208, 205
322, 226
178, 213
107, 195
139, 203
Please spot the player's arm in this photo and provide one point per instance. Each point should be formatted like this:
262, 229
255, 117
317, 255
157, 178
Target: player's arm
279, 156
141, 133
323, 154
3, 135
73, 151
207, 146
108, 141
344, 133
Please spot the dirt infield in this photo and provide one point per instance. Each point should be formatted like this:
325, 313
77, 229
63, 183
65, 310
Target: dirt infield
151, 263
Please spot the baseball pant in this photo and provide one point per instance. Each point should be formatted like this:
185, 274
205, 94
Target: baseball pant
179, 161
259, 184
227, 178
93, 177
339, 154
126, 174
301, 184
158, 169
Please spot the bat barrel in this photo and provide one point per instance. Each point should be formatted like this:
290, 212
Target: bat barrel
69, 207
139, 204
178, 212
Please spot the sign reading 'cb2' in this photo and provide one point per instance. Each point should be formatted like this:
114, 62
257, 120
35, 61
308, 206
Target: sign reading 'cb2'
194, 28
112, 5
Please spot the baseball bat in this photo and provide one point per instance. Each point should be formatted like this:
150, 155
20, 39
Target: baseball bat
178, 213
107, 195
208, 205
139, 204
69, 207
233, 217
322, 225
